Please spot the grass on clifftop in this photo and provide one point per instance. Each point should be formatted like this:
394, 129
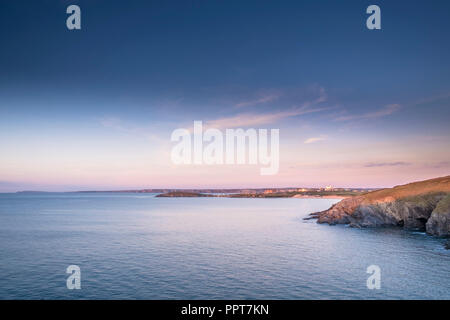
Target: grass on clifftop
437, 185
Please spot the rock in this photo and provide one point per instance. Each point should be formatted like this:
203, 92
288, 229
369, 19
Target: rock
439, 222
447, 245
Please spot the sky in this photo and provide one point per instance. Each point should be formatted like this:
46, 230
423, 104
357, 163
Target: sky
94, 109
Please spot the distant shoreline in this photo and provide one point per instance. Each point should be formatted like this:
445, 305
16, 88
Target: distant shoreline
317, 195
189, 194
321, 197
307, 193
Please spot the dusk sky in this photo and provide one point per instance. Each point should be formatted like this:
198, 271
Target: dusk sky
93, 109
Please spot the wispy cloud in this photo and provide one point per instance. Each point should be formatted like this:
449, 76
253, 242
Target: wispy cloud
316, 94
386, 164
252, 119
315, 139
435, 98
321, 98
261, 100
385, 111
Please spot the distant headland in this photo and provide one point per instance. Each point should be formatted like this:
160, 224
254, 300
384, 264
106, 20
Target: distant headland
325, 192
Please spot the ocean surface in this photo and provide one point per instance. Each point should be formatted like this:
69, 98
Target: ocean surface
136, 246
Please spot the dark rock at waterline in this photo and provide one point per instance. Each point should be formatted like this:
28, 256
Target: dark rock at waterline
447, 245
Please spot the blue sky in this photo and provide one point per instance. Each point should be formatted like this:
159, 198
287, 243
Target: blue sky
94, 108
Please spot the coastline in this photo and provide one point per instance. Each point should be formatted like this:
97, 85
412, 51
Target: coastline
421, 205
180, 194
299, 196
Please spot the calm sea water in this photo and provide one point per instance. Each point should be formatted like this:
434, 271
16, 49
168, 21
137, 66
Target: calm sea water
136, 246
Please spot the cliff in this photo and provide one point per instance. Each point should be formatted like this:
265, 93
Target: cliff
423, 205
439, 221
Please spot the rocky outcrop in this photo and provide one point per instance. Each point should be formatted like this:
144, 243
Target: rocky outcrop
439, 221
421, 205
339, 213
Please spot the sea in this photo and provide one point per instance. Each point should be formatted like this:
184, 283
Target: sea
138, 246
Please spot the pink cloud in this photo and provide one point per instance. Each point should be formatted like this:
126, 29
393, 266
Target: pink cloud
315, 139
385, 111
252, 119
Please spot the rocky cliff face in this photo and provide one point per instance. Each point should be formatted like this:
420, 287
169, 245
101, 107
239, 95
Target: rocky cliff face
422, 206
439, 222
